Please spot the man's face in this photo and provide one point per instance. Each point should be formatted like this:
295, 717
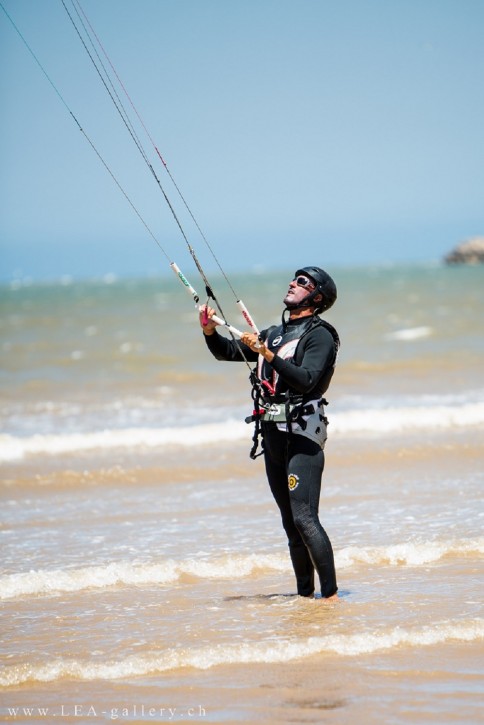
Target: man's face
300, 288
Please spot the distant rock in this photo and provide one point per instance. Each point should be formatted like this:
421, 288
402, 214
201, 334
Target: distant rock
469, 252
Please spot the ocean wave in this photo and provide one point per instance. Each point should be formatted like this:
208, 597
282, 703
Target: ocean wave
397, 420
15, 447
352, 422
281, 650
408, 554
230, 566
409, 334
56, 581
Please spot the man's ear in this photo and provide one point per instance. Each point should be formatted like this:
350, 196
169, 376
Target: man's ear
318, 299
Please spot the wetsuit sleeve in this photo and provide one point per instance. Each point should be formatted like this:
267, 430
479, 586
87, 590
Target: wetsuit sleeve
224, 349
315, 358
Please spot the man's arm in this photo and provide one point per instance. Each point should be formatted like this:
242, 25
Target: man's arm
220, 347
318, 355
315, 356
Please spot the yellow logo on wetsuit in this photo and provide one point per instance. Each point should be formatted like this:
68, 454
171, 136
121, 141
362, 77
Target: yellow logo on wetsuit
292, 481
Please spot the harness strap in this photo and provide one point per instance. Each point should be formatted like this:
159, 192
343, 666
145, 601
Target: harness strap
256, 415
264, 394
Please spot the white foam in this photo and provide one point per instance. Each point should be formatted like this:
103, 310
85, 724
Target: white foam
395, 419
14, 448
352, 422
55, 581
411, 333
229, 566
408, 554
273, 651
46, 581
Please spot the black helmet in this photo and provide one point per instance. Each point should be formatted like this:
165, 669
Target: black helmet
324, 285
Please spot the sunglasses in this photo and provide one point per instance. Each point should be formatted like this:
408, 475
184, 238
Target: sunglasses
302, 281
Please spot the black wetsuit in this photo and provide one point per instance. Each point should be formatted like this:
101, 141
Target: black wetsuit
294, 463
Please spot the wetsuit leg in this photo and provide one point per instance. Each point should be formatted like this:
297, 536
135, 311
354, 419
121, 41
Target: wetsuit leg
275, 456
305, 468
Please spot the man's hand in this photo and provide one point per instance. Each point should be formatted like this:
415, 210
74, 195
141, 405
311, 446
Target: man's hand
205, 317
251, 340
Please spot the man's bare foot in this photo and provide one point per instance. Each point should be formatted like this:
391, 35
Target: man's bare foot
333, 598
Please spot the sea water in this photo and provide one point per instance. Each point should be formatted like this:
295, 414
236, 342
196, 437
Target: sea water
145, 574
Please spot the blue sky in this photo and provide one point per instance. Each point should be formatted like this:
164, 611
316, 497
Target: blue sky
330, 133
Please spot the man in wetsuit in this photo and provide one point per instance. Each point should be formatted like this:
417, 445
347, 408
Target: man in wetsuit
295, 365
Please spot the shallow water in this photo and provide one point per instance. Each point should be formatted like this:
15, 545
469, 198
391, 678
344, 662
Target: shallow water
144, 566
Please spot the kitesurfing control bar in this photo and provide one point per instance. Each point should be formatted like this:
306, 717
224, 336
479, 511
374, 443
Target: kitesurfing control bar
222, 323
247, 317
215, 318
185, 282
